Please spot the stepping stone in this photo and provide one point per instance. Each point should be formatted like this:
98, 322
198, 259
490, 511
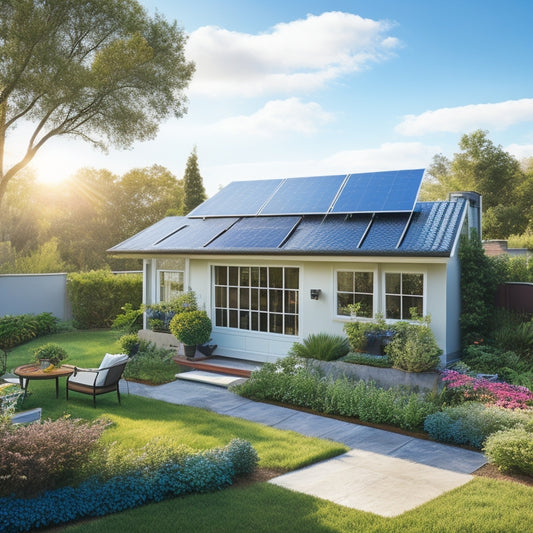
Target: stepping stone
210, 378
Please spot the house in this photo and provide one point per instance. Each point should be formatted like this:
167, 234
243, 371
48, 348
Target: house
273, 261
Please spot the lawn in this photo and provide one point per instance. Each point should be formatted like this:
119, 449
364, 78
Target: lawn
483, 505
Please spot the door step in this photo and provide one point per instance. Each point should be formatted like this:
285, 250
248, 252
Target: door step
211, 378
221, 365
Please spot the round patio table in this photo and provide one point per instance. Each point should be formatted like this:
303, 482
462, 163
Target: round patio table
33, 371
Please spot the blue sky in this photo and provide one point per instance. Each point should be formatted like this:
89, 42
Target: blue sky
296, 88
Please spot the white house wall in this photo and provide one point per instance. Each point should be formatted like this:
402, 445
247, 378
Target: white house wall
320, 315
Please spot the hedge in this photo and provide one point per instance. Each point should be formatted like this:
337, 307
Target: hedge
98, 296
202, 472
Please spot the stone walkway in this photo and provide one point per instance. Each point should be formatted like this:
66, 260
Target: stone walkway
384, 472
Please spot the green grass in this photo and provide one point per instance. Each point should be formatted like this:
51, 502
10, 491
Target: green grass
481, 506
138, 419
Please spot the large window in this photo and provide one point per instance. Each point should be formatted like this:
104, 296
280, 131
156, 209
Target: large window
257, 298
402, 292
355, 288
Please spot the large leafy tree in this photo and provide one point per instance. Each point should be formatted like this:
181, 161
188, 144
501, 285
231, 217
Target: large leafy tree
193, 185
98, 70
489, 170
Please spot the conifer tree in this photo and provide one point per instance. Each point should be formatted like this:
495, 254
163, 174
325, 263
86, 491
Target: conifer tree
193, 186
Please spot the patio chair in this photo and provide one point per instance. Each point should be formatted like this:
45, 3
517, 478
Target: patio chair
96, 381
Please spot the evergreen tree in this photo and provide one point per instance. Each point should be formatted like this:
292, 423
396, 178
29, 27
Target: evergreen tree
193, 186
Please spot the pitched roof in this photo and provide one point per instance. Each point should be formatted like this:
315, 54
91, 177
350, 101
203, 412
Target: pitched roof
431, 229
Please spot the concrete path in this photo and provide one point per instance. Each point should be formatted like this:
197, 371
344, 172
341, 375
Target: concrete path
384, 472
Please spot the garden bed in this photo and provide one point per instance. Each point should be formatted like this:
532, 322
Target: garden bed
384, 377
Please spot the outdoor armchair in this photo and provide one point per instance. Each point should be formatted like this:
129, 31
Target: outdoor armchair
95, 381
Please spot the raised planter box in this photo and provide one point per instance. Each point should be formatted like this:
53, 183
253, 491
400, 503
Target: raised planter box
384, 377
162, 340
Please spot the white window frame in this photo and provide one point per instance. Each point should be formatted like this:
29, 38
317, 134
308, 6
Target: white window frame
375, 282
158, 283
284, 313
424, 296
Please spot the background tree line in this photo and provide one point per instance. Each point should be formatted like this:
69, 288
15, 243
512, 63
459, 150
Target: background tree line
69, 227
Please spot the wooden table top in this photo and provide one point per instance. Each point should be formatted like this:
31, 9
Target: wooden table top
33, 371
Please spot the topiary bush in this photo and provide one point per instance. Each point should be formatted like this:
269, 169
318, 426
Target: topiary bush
413, 347
191, 328
471, 423
511, 450
322, 346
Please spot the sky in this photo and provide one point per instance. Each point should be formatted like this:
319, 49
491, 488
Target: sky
294, 88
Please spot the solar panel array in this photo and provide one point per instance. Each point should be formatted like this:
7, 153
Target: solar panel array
371, 192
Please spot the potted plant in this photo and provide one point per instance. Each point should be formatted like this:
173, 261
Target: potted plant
191, 328
50, 355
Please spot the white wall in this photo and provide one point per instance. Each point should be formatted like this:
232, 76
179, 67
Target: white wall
320, 315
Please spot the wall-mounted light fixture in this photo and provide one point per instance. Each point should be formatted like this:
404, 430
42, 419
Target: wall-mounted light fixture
315, 293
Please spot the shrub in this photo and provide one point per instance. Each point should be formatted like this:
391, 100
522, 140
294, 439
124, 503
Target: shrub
131, 344
516, 338
18, 329
358, 333
413, 347
482, 390
152, 364
130, 321
243, 456
511, 450
51, 351
200, 472
42, 456
471, 423
478, 289
191, 328
97, 297
485, 359
291, 381
323, 346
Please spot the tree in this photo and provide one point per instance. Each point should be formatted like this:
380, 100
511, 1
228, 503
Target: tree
144, 196
193, 185
99, 70
489, 170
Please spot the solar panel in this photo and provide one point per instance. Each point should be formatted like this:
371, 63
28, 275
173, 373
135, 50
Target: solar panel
376, 192
371, 192
239, 198
257, 232
304, 196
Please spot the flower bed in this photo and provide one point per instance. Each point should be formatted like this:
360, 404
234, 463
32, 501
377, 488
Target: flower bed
488, 392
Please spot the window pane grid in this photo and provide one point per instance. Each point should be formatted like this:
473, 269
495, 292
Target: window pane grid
257, 298
403, 292
355, 287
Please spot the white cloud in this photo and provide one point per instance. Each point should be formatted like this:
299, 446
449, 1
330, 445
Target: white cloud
465, 118
520, 151
296, 56
277, 116
389, 156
